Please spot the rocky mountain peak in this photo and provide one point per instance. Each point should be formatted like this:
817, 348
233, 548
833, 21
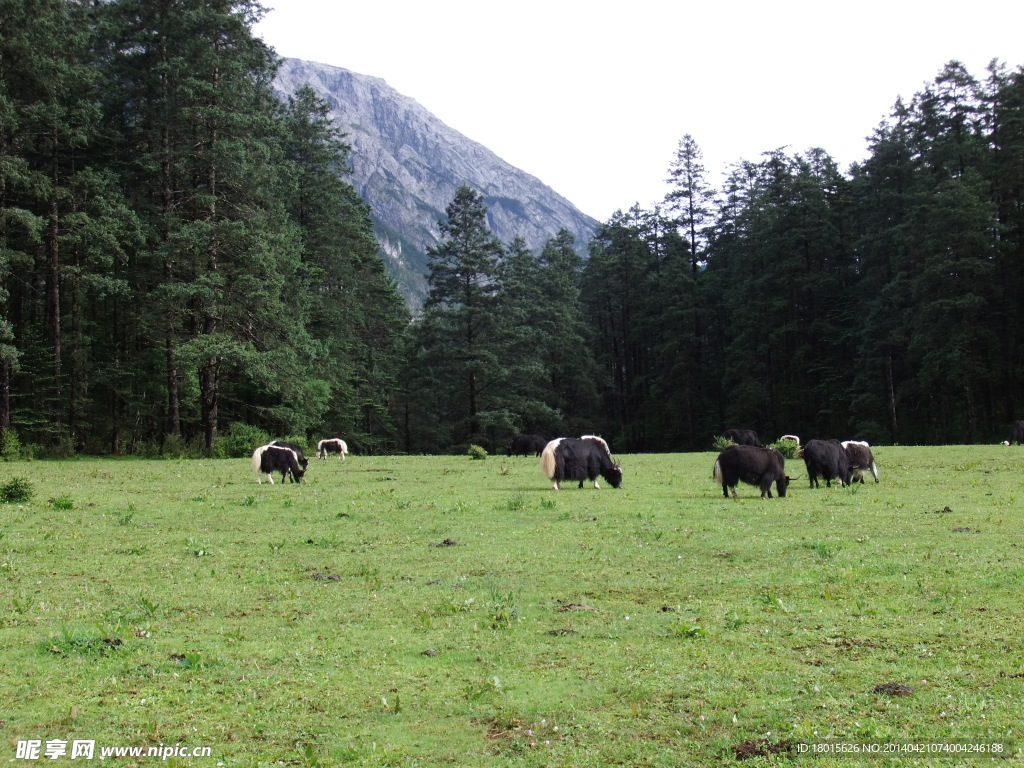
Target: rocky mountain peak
407, 166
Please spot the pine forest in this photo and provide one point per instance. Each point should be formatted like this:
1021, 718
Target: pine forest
185, 269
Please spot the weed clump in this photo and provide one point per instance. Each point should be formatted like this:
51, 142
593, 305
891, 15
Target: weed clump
17, 490
476, 453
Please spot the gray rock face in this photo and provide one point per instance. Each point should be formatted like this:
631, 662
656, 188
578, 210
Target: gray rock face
407, 166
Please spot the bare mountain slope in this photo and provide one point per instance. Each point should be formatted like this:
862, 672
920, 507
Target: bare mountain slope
407, 166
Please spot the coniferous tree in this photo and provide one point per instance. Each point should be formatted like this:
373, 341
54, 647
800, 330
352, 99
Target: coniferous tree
882, 190
950, 265
356, 317
691, 199
566, 350
777, 268
1004, 131
618, 280
201, 131
49, 125
520, 308
459, 336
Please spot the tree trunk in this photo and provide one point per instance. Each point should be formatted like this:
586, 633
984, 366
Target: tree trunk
892, 396
209, 381
53, 291
173, 401
5, 400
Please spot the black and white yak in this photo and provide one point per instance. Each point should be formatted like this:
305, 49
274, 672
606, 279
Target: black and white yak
299, 454
331, 445
753, 465
579, 458
862, 460
526, 445
826, 459
268, 459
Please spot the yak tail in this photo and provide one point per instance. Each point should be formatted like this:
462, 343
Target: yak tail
547, 459
874, 471
257, 460
717, 474
257, 457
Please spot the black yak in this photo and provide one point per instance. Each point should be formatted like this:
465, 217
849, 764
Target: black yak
525, 445
753, 465
1016, 434
743, 437
826, 459
299, 455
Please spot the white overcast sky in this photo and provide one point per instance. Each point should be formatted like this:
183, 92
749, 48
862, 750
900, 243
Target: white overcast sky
592, 96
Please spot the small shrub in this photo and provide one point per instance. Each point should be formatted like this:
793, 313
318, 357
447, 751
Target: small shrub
197, 548
239, 440
788, 448
174, 447
475, 452
10, 445
687, 631
17, 490
62, 502
83, 643
503, 609
516, 503
721, 443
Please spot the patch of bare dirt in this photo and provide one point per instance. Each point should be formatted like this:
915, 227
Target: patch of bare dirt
576, 607
893, 689
761, 748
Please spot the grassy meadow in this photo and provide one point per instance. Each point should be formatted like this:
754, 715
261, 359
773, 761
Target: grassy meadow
440, 611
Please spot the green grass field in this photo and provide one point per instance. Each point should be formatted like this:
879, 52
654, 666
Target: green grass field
430, 611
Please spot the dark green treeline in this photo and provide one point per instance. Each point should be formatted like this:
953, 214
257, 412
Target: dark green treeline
183, 263
178, 249
885, 303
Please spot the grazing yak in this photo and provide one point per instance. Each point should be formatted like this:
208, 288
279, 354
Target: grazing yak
582, 458
743, 437
753, 465
826, 459
268, 459
1016, 434
299, 455
862, 460
331, 445
526, 445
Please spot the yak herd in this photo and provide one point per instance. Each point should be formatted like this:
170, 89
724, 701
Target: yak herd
289, 458
746, 460
585, 458
751, 462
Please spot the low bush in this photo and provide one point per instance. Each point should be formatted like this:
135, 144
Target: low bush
17, 490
